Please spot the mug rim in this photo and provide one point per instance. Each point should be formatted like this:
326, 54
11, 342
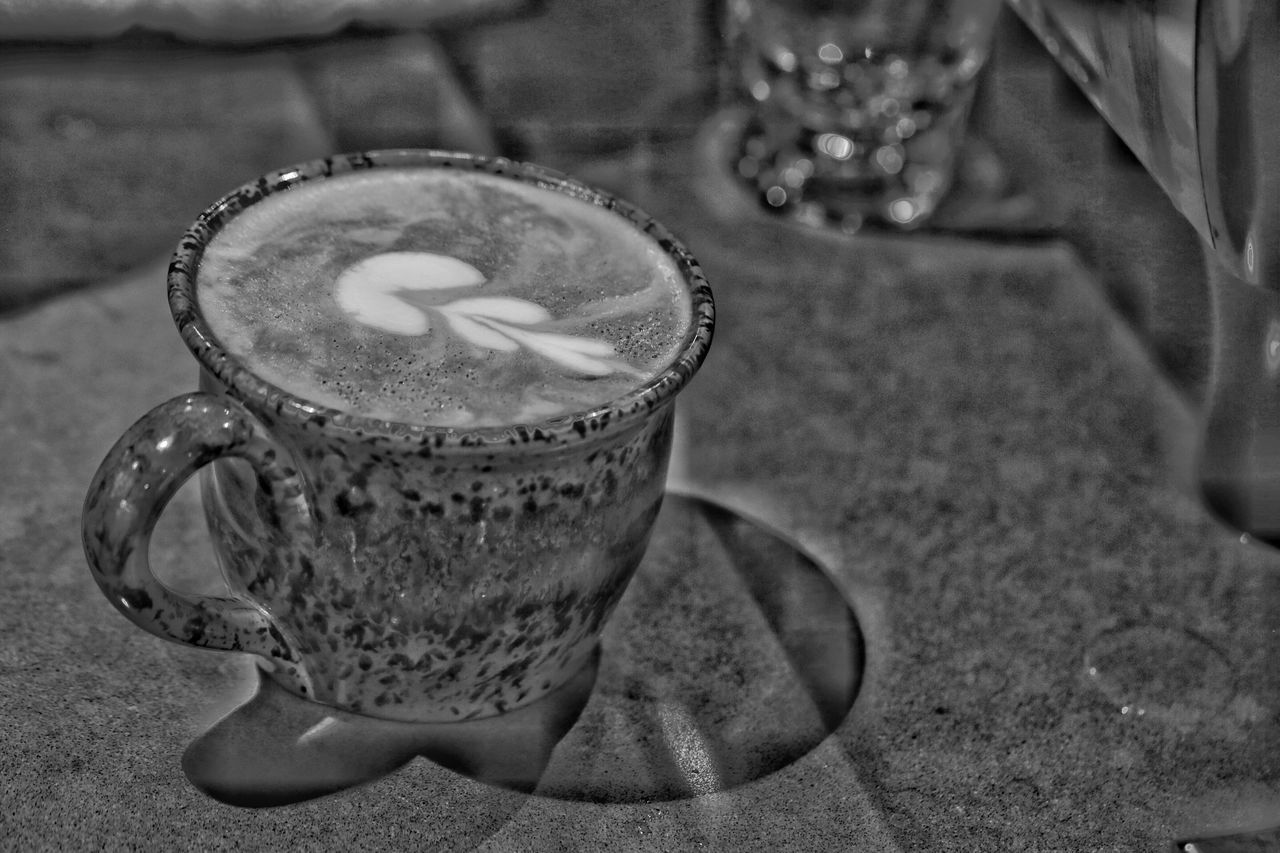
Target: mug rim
249, 388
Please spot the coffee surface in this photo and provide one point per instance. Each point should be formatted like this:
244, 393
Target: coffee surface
442, 297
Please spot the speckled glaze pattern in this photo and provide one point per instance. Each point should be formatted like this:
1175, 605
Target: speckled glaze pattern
395, 570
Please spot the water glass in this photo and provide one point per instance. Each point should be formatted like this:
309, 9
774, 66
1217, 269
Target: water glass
857, 108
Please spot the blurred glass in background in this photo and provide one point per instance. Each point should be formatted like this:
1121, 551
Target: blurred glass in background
858, 108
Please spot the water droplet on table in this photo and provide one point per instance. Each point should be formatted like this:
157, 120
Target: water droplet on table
1163, 671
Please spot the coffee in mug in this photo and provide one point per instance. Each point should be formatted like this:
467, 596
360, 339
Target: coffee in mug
443, 298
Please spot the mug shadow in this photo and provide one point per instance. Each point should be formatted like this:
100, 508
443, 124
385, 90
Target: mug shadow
732, 655
278, 749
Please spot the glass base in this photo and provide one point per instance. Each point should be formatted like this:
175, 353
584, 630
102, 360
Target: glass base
983, 198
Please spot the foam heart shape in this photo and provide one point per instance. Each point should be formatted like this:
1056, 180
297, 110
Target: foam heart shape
370, 290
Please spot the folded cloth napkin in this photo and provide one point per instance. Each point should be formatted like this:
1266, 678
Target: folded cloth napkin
224, 20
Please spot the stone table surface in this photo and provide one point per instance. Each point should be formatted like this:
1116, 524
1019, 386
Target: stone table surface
1060, 650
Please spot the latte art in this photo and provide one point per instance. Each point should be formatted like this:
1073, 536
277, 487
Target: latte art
445, 298
369, 291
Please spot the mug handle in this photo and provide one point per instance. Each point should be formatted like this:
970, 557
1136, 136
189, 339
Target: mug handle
132, 487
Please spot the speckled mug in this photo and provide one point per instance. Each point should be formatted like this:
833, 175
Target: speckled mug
389, 569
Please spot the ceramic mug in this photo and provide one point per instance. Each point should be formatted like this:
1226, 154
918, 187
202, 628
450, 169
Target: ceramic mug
392, 569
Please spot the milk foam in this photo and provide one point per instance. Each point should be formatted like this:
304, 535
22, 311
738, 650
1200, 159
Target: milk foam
442, 297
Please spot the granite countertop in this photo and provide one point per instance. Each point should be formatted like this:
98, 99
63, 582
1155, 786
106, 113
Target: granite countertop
1025, 633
